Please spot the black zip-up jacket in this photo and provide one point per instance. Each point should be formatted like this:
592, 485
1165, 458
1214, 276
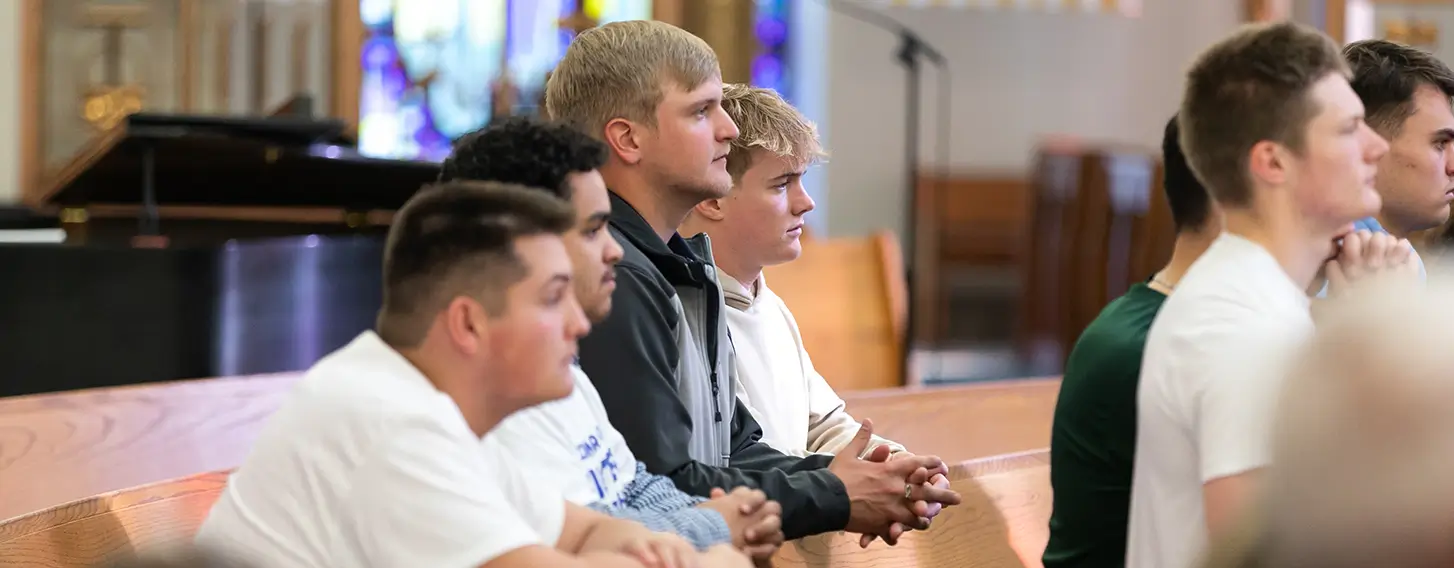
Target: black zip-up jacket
662, 362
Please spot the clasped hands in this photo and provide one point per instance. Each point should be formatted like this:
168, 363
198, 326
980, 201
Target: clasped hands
1364, 255
890, 493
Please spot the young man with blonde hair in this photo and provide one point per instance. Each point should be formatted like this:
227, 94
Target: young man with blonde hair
661, 360
1271, 126
759, 224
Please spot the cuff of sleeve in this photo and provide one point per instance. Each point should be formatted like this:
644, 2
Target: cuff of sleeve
704, 528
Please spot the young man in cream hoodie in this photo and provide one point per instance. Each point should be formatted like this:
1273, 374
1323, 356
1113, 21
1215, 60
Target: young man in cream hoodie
759, 224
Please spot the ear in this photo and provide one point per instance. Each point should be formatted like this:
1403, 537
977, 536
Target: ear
465, 324
622, 136
1269, 162
710, 209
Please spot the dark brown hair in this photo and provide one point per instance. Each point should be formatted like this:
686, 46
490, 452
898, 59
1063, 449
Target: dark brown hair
1386, 75
1250, 87
458, 239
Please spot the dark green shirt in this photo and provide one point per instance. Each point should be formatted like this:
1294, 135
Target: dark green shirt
1093, 439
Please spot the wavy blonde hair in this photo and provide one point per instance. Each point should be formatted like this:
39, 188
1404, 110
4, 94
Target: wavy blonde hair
765, 120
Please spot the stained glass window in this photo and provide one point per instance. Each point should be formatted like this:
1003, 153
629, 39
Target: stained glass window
771, 27
430, 67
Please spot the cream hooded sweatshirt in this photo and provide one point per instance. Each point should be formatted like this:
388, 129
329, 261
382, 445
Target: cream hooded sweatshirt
799, 413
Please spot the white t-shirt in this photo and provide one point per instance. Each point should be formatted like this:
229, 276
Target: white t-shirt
368, 465
1216, 358
569, 444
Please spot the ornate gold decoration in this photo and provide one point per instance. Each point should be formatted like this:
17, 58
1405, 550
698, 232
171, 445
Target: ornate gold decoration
1415, 32
106, 104
578, 21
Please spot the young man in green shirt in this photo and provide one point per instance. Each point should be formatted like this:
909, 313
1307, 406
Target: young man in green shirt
1093, 438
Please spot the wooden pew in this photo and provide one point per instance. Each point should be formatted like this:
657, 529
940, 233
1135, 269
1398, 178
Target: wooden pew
60, 447
962, 422
99, 530
848, 297
1003, 523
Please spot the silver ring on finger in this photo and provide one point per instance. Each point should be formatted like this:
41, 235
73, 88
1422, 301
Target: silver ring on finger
908, 492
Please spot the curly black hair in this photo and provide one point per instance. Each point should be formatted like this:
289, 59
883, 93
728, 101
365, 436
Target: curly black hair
525, 151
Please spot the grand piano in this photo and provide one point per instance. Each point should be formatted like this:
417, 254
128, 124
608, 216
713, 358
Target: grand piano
197, 247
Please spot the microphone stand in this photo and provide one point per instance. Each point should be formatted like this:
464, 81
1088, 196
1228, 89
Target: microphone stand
911, 49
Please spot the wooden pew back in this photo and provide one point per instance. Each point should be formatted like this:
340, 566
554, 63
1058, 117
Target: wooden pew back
962, 422
104, 529
1003, 523
61, 447
848, 297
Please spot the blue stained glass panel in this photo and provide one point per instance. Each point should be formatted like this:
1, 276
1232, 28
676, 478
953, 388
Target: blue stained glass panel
430, 67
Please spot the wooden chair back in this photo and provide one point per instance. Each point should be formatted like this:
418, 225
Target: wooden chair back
1003, 523
1115, 197
1049, 265
104, 529
964, 221
1154, 233
848, 296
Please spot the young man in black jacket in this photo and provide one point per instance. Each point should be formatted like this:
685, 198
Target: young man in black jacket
662, 360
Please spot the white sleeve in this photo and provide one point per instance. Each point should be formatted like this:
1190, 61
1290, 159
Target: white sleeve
1238, 402
427, 496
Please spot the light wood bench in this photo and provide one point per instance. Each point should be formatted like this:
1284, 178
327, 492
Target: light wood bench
962, 422
103, 529
60, 447
1003, 523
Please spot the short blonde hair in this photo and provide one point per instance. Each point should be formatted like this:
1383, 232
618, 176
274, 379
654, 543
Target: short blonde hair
621, 69
765, 120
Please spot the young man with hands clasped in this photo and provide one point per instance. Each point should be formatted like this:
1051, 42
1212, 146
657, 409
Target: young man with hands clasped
759, 224
1272, 128
375, 458
662, 361
570, 443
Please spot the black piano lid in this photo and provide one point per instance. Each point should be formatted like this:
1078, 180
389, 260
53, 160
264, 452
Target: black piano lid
235, 161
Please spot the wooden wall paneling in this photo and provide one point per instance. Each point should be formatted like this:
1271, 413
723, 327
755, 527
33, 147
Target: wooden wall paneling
928, 301
670, 11
32, 62
346, 27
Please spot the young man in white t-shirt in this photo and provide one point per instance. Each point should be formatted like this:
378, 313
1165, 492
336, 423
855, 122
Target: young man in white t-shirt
570, 443
375, 460
1272, 128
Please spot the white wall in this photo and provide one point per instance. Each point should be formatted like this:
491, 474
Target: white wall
1017, 76
10, 101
